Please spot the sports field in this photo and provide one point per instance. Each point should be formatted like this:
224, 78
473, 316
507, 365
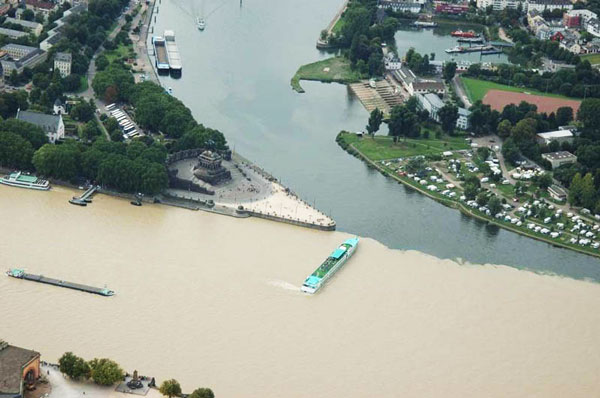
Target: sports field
593, 58
477, 89
498, 99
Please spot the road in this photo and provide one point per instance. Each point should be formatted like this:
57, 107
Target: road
458, 88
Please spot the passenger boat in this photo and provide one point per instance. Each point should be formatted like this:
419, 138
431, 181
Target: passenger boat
425, 24
460, 33
330, 266
18, 179
200, 23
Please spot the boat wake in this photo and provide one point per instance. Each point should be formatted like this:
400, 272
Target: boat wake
284, 285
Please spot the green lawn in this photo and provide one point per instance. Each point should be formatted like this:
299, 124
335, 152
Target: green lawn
338, 26
335, 69
593, 58
383, 147
119, 52
477, 89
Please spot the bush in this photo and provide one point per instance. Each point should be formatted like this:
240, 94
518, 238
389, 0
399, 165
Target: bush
73, 366
170, 388
202, 393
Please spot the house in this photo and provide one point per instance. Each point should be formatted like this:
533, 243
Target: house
55, 34
52, 125
499, 5
58, 108
463, 119
423, 86
17, 367
13, 34
62, 62
442, 7
432, 103
33, 27
43, 7
557, 193
560, 136
392, 62
557, 159
558, 36
20, 57
548, 5
414, 7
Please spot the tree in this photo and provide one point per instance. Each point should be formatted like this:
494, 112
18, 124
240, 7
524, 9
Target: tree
105, 371
202, 393
73, 366
588, 192
102, 62
504, 128
374, 121
448, 115
545, 180
90, 131
403, 122
575, 190
589, 115
449, 70
83, 111
564, 115
495, 205
170, 388
482, 198
28, 15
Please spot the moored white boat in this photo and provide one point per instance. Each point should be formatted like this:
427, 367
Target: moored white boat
18, 179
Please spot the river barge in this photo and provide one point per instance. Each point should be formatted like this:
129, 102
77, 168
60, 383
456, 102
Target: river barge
172, 52
18, 179
330, 266
486, 49
425, 24
21, 274
160, 52
468, 34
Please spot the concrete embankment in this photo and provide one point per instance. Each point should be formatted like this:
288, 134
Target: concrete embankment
324, 44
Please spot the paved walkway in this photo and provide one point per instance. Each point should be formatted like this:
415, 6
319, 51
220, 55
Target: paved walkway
63, 387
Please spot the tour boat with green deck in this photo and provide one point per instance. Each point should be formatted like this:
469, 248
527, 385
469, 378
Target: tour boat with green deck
330, 266
18, 179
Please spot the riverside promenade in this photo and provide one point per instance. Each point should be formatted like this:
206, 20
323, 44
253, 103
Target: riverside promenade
324, 43
250, 192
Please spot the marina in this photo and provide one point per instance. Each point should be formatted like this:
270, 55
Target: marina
85, 198
484, 49
20, 180
330, 266
21, 274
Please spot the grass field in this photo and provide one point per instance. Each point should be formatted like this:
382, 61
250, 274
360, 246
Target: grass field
335, 69
477, 89
383, 147
119, 52
593, 58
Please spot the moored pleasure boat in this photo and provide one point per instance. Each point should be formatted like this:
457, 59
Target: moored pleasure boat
18, 179
330, 266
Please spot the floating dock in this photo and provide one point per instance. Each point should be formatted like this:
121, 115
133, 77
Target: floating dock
84, 199
160, 52
172, 52
21, 274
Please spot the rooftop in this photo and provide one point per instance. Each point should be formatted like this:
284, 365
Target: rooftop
558, 155
46, 122
12, 33
40, 4
428, 85
63, 57
23, 22
12, 360
556, 134
16, 46
434, 100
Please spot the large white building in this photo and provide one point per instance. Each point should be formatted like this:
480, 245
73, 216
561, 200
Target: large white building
62, 62
526, 5
559, 135
432, 103
412, 6
52, 125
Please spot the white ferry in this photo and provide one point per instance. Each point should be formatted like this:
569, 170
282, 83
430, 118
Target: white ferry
18, 179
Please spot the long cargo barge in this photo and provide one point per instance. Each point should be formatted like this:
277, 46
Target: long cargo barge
330, 266
172, 51
21, 274
160, 52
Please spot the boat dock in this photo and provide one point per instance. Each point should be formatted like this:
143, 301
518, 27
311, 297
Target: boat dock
84, 199
484, 49
21, 274
475, 40
173, 56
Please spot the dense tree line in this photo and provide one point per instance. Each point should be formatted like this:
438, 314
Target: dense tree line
361, 36
102, 371
136, 167
18, 141
582, 81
